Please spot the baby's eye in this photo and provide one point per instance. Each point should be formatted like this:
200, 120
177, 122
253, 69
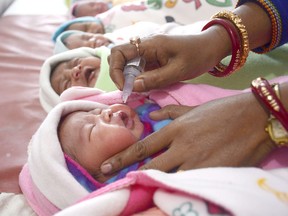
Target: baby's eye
86, 27
91, 130
96, 111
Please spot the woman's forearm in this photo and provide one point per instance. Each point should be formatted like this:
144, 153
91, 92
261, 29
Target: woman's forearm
257, 23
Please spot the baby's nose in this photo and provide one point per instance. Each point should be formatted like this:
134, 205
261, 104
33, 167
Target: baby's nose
76, 72
106, 114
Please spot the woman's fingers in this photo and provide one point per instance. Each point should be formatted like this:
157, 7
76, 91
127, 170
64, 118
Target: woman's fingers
170, 111
137, 152
168, 161
117, 60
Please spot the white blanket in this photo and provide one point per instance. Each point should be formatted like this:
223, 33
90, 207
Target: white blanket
210, 191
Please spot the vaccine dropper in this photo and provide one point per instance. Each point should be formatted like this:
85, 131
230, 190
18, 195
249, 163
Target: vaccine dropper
132, 69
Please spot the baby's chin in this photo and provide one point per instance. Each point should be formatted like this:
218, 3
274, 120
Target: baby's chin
92, 84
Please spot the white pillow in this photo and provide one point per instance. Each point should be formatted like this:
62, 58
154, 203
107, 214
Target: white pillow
39, 7
4, 4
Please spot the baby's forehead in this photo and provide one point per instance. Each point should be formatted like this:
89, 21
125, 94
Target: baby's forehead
84, 115
70, 63
74, 120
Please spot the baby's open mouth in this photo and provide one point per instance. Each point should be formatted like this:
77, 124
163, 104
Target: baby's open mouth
126, 120
89, 74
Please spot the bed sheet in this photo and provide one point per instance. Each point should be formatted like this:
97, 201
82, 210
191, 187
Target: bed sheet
36, 7
4, 5
25, 42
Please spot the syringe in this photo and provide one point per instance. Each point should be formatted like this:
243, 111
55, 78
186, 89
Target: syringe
132, 69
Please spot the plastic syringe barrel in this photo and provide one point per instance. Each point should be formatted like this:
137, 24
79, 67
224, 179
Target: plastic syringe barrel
132, 69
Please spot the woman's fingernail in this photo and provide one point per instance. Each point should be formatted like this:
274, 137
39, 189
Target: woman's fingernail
117, 85
106, 168
140, 82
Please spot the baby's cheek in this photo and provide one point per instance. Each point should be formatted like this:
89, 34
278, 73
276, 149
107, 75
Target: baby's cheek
138, 131
118, 141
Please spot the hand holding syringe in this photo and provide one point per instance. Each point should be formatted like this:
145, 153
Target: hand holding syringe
132, 69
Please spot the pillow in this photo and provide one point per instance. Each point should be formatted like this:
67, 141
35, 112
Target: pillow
4, 4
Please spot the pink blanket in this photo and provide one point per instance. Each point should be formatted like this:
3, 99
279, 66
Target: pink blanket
46, 166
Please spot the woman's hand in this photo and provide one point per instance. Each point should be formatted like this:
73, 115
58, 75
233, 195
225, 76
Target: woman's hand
170, 59
223, 132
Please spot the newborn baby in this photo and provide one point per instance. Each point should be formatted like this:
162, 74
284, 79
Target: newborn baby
88, 138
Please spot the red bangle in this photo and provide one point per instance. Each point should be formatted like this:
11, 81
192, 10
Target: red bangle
265, 93
222, 70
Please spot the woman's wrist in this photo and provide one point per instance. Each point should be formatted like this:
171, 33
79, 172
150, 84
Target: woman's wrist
263, 144
218, 43
269, 97
257, 22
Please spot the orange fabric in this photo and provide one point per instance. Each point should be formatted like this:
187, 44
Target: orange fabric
25, 42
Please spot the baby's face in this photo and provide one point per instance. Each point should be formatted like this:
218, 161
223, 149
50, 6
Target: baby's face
74, 41
90, 8
75, 72
92, 137
91, 27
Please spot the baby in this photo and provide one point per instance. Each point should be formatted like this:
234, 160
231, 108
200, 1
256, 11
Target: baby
93, 7
78, 67
89, 137
73, 39
65, 152
89, 8
75, 72
86, 24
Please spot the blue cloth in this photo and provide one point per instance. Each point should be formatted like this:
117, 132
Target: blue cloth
66, 24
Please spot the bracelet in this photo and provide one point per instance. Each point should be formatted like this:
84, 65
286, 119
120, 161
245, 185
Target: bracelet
276, 27
278, 121
237, 22
222, 70
275, 129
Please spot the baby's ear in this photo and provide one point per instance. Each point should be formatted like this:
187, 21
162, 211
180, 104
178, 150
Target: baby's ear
79, 92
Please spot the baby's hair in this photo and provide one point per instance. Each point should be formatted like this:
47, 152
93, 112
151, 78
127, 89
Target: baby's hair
73, 11
65, 41
54, 67
65, 149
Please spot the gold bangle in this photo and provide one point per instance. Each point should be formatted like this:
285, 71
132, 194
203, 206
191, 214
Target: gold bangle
237, 22
275, 129
276, 89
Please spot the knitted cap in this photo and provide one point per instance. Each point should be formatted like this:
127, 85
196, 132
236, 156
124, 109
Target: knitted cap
48, 97
66, 24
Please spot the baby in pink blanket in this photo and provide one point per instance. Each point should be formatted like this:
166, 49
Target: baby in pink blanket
89, 137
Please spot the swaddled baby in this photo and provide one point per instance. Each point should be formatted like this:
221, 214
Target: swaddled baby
84, 66
66, 151
89, 137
